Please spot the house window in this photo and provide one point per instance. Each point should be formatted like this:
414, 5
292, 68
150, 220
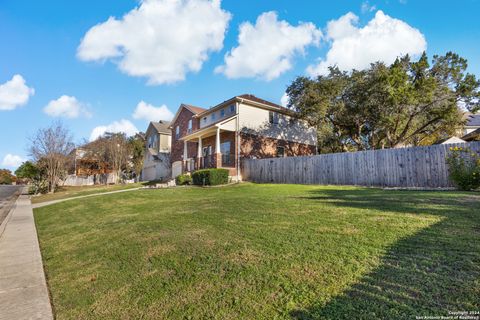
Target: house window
189, 126
232, 108
280, 152
222, 113
150, 141
177, 132
213, 116
273, 117
225, 147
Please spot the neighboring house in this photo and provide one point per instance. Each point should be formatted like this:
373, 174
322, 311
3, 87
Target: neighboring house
450, 140
87, 163
472, 123
241, 127
156, 164
472, 136
87, 168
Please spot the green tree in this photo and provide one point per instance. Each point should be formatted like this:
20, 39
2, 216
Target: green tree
6, 176
137, 153
27, 171
34, 174
383, 106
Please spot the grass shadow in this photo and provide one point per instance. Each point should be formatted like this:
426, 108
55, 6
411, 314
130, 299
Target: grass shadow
432, 272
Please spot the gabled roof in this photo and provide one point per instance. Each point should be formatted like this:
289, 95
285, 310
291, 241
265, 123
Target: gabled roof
193, 109
450, 140
253, 98
472, 136
246, 98
249, 99
162, 126
473, 120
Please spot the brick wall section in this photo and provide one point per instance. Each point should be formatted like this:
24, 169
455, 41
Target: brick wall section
264, 147
177, 145
224, 136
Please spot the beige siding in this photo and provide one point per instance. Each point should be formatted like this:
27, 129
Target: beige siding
165, 143
227, 113
256, 121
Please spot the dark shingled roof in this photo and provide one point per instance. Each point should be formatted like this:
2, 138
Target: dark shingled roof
472, 136
251, 97
194, 109
162, 126
473, 120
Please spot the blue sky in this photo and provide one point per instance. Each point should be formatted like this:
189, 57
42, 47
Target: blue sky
122, 64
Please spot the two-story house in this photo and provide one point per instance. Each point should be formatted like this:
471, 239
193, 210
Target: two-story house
241, 127
158, 142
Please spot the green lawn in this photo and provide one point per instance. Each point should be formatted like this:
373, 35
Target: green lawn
69, 192
263, 252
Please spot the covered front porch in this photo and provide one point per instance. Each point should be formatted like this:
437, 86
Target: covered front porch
211, 147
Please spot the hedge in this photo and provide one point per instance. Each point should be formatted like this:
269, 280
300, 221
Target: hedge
183, 179
210, 177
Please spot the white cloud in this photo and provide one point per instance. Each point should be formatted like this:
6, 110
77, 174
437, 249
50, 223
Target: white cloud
123, 125
14, 93
266, 50
382, 39
67, 107
284, 100
12, 161
161, 40
149, 112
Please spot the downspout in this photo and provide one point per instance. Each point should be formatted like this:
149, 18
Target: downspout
237, 107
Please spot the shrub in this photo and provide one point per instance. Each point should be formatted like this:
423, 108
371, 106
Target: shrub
183, 179
464, 168
210, 177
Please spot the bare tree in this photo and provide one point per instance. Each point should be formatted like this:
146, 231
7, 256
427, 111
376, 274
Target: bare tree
50, 147
117, 151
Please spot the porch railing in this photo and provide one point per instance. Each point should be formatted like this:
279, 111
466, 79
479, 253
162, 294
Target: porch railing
208, 162
228, 160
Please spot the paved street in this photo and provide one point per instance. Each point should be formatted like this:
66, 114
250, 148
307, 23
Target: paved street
8, 194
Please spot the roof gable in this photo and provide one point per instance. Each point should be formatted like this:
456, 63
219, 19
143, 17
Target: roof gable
192, 109
162, 127
473, 120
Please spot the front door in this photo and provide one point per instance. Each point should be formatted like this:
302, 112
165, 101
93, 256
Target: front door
207, 156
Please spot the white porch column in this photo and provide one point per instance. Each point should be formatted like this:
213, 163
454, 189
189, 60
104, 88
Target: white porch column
217, 142
185, 151
199, 151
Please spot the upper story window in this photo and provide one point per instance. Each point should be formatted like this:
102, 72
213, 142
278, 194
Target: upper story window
232, 108
189, 130
177, 132
273, 117
213, 116
152, 141
222, 113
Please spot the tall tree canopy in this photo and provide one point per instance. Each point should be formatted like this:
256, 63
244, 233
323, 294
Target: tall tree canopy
50, 148
408, 102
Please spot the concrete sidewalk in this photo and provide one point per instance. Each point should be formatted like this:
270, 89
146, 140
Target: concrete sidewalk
23, 289
47, 203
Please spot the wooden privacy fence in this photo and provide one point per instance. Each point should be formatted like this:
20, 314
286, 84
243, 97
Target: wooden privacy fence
422, 167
